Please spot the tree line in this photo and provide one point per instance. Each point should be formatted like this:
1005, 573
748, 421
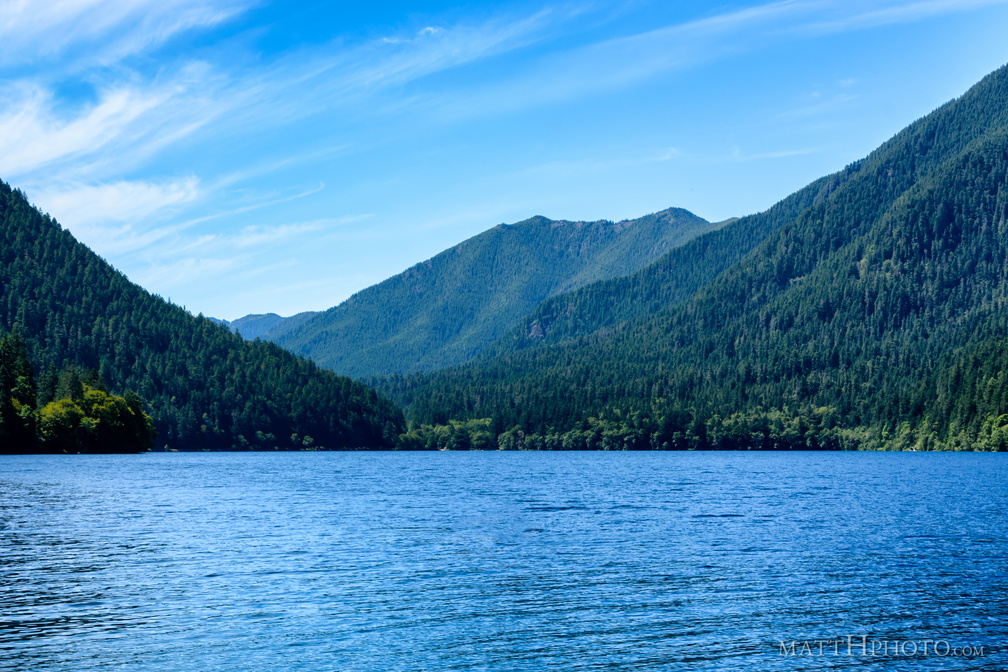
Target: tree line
68, 412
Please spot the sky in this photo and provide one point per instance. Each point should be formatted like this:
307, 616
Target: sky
243, 156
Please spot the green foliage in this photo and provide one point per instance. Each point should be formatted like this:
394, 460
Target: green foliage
63, 428
207, 388
475, 434
660, 428
69, 384
447, 309
865, 285
84, 419
95, 422
964, 403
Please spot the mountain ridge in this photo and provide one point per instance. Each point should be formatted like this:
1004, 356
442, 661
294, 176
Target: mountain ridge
266, 325
446, 309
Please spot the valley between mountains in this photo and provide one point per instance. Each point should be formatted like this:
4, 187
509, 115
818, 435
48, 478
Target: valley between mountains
868, 310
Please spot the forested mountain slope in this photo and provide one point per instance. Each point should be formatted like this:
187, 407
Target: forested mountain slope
670, 280
206, 387
447, 309
832, 332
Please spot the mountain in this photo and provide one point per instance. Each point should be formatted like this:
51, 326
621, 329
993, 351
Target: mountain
860, 321
447, 309
671, 279
267, 325
206, 387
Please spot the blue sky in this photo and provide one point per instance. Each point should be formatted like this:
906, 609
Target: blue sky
245, 157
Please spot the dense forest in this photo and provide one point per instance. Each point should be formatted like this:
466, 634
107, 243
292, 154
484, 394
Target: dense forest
68, 413
446, 310
671, 279
204, 387
873, 315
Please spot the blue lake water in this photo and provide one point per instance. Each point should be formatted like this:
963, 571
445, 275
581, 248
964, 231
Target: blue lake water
504, 561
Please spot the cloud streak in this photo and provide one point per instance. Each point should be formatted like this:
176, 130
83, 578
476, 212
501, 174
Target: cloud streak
35, 136
103, 31
609, 65
863, 15
132, 119
232, 258
75, 157
135, 118
120, 201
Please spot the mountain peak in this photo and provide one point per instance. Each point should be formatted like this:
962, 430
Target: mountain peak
447, 309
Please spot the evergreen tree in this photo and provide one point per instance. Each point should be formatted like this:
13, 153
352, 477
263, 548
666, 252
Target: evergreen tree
17, 395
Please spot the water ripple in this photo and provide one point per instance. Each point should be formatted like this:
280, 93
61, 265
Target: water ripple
390, 561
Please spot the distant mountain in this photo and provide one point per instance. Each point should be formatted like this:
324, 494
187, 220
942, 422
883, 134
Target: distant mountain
262, 326
873, 314
206, 387
449, 308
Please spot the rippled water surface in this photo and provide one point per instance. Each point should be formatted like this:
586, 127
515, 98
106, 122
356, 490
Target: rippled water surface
503, 561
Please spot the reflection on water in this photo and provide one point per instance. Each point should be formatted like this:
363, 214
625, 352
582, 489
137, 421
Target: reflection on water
501, 561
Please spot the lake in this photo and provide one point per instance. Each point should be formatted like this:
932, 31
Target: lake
504, 561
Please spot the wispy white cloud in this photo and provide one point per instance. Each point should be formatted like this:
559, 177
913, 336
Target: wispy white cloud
666, 154
137, 223
260, 236
122, 217
33, 135
256, 203
104, 31
130, 120
817, 103
739, 155
609, 65
323, 79
35, 130
135, 118
235, 257
192, 271
861, 14
121, 201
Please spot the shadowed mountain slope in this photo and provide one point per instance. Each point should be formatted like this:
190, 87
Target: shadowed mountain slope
206, 387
